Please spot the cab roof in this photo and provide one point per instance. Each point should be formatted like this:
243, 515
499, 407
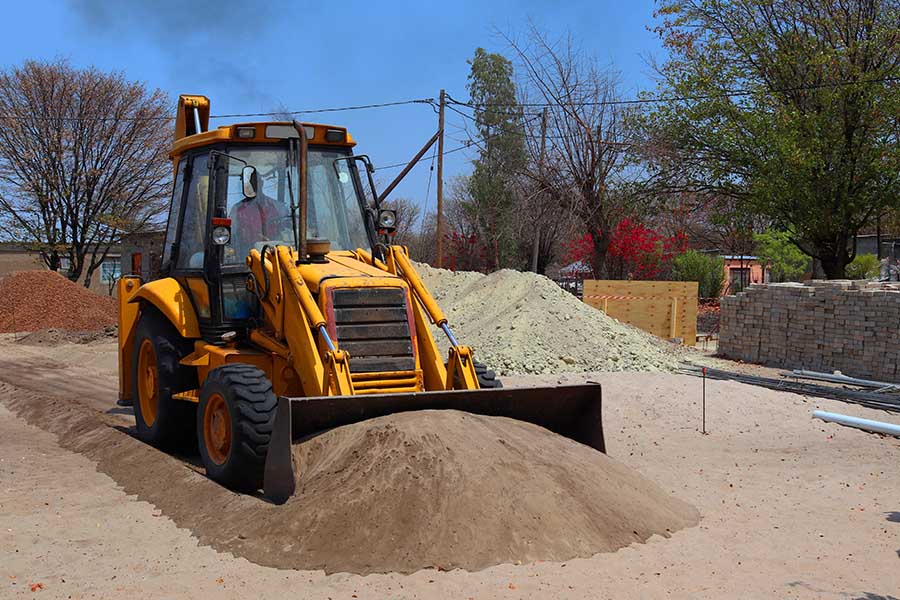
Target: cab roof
194, 108
266, 132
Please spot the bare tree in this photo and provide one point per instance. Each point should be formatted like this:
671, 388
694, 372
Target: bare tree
423, 242
83, 161
467, 246
586, 139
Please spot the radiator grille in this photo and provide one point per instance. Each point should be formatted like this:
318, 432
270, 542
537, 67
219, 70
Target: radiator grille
371, 324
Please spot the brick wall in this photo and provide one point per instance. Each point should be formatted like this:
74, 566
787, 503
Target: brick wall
850, 326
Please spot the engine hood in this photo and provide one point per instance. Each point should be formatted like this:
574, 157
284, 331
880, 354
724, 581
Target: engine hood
341, 264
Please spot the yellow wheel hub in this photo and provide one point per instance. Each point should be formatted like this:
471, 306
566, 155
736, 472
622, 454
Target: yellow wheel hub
148, 383
217, 429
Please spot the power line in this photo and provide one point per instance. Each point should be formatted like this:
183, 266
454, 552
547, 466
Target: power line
429, 101
326, 110
477, 106
459, 112
423, 207
725, 94
430, 156
523, 134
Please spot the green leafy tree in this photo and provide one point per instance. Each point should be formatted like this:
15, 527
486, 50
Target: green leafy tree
810, 139
501, 155
707, 270
786, 261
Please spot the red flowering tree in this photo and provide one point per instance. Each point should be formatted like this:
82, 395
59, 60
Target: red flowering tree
635, 250
465, 252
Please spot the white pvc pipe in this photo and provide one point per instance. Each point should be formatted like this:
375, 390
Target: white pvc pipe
835, 378
864, 424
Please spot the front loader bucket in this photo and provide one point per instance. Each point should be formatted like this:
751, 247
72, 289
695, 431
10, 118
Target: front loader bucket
573, 411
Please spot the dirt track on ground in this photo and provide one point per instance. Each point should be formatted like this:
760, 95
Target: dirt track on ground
791, 507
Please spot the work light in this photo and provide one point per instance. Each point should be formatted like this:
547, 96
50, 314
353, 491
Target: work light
387, 220
221, 236
221, 233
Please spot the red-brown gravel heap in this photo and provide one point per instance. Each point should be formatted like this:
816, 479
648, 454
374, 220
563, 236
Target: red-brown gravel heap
708, 315
33, 300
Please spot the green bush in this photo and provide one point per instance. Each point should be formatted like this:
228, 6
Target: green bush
707, 270
864, 266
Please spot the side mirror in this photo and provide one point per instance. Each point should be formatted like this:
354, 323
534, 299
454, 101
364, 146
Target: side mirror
249, 181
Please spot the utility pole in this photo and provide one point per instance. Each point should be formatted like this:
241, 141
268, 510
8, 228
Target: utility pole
537, 230
440, 185
878, 236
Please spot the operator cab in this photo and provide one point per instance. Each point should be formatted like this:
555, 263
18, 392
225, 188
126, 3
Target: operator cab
236, 189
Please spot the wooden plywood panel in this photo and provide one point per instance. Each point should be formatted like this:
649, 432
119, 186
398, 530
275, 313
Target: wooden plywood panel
667, 309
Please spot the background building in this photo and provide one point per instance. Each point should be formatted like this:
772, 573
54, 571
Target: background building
138, 254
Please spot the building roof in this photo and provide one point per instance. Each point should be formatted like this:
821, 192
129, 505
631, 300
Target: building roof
579, 266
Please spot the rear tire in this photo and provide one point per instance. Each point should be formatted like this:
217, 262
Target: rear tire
234, 425
487, 379
156, 374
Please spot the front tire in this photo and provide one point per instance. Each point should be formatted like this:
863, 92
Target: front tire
156, 374
234, 425
487, 379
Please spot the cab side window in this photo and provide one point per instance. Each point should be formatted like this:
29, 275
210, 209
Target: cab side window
174, 213
193, 231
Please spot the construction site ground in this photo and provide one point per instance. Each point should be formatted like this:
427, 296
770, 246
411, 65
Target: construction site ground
790, 507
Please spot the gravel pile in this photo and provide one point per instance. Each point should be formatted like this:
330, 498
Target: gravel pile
35, 300
525, 323
57, 337
708, 312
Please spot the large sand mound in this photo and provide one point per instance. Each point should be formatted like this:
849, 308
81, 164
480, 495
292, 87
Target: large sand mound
404, 492
524, 323
448, 489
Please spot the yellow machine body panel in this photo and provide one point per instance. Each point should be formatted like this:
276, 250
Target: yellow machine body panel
172, 300
207, 357
167, 296
128, 287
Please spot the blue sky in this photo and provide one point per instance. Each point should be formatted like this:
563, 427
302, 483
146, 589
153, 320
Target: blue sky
264, 56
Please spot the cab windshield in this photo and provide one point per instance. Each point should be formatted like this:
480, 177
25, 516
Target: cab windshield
334, 212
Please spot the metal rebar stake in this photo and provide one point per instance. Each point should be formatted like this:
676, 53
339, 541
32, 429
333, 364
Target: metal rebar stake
703, 430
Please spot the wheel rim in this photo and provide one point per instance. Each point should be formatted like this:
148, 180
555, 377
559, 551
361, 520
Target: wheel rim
148, 385
217, 429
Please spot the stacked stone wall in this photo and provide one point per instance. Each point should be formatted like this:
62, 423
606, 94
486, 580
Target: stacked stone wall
847, 326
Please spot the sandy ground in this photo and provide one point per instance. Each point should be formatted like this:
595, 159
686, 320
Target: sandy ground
791, 507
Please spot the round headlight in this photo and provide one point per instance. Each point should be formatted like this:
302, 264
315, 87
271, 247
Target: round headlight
221, 236
387, 219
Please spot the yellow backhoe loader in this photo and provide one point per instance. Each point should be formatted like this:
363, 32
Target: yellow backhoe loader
283, 310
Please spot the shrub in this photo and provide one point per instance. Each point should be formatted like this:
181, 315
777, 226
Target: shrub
708, 271
864, 266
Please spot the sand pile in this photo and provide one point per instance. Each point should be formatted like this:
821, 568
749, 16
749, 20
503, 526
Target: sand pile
525, 323
34, 300
448, 489
410, 491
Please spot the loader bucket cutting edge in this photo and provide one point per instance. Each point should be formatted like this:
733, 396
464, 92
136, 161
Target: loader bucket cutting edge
573, 411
